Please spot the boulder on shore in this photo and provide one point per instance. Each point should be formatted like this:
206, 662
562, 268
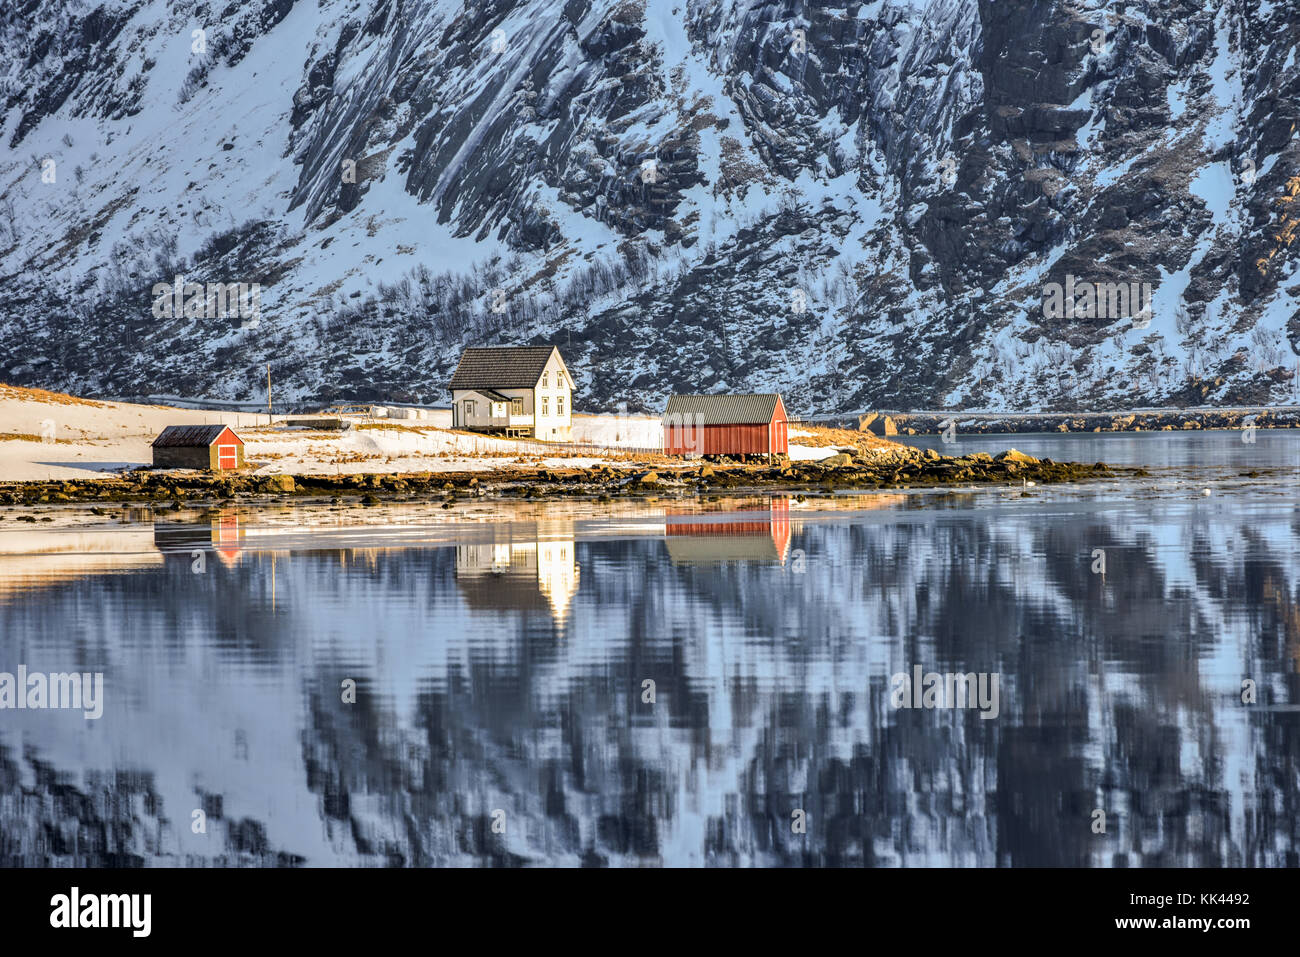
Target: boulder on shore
1015, 455
836, 461
877, 424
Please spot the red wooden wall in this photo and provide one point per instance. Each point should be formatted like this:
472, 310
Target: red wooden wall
759, 439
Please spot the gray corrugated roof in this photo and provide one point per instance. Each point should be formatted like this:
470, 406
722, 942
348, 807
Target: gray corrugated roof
724, 409
190, 436
501, 367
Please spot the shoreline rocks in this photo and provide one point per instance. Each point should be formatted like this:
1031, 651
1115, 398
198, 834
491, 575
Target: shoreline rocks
1166, 420
879, 469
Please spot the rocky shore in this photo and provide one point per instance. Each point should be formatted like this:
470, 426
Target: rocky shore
898, 467
1165, 420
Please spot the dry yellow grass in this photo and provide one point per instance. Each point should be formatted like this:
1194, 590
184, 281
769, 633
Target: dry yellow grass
40, 395
823, 437
29, 437
389, 427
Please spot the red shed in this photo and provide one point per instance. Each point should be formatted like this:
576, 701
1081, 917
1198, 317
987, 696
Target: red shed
214, 447
725, 425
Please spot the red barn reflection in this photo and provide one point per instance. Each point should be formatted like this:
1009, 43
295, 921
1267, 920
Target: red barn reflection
761, 534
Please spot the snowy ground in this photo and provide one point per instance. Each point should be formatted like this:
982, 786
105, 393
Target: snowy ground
69, 438
51, 436
406, 449
645, 431
807, 453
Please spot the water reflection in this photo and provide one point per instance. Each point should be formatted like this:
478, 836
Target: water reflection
221, 536
527, 565
752, 536
502, 668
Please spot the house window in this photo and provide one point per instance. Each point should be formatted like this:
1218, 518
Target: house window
546, 403
544, 378
469, 408
559, 379
559, 405
516, 406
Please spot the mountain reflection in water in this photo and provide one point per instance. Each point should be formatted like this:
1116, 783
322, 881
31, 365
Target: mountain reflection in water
501, 714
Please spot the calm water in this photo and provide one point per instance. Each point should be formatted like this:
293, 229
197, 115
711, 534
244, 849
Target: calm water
1260, 448
500, 657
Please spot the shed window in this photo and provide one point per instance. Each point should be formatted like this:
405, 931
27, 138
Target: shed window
469, 408
516, 406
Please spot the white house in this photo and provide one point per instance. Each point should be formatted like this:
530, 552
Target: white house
514, 390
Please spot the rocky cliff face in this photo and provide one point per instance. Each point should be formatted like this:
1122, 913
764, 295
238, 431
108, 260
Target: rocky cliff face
860, 205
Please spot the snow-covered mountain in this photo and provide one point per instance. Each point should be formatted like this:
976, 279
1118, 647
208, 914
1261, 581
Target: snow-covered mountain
857, 204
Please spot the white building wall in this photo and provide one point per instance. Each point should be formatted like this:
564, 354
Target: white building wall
484, 410
555, 391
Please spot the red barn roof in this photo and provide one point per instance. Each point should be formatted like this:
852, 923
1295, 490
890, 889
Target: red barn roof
192, 436
726, 409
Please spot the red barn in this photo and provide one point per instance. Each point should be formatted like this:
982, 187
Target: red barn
214, 447
734, 425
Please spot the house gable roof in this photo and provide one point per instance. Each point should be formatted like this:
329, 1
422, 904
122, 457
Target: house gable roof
191, 436
501, 367
724, 409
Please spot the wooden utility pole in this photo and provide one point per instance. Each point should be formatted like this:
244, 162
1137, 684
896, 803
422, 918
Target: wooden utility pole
268, 393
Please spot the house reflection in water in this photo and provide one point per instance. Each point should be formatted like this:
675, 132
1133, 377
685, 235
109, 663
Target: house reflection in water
757, 535
222, 535
527, 566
